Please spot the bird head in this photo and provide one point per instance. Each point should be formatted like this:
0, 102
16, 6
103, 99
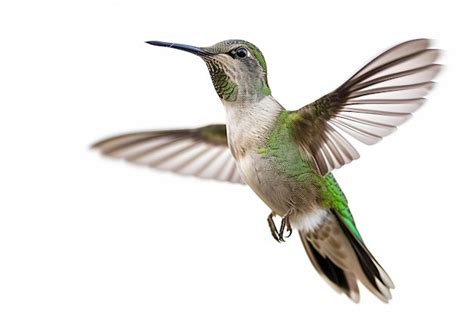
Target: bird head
237, 68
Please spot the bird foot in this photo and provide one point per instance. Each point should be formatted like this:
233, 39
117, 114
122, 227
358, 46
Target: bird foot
279, 234
273, 228
285, 225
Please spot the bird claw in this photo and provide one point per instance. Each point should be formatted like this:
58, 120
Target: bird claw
279, 235
273, 228
285, 225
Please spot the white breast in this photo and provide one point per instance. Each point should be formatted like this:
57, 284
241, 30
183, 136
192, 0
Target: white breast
248, 123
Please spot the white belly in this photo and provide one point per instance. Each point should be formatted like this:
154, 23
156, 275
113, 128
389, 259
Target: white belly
273, 188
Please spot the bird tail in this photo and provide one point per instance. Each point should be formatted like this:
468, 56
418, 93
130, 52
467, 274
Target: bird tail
341, 258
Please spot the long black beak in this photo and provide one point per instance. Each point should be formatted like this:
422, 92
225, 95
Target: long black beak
192, 49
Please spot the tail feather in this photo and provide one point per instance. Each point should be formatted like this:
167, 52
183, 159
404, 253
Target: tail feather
342, 259
338, 279
369, 264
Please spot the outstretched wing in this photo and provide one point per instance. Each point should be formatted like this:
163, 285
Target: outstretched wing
202, 152
369, 106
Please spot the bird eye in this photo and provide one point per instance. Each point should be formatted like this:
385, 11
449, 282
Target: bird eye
241, 52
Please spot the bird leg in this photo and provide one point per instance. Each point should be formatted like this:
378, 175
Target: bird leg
285, 225
273, 228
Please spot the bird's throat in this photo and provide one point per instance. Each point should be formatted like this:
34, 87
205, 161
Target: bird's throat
233, 85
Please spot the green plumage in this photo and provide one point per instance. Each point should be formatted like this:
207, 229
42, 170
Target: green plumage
335, 199
282, 146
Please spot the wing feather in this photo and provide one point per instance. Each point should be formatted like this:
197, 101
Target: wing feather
201, 152
369, 106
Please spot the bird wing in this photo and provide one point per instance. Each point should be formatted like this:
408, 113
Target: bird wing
369, 106
201, 152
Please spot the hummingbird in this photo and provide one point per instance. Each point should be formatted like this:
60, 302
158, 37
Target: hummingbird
287, 156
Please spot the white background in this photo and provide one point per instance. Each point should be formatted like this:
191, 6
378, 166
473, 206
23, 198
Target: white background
80, 234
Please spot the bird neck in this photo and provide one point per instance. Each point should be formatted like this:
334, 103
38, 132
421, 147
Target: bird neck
242, 92
253, 92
